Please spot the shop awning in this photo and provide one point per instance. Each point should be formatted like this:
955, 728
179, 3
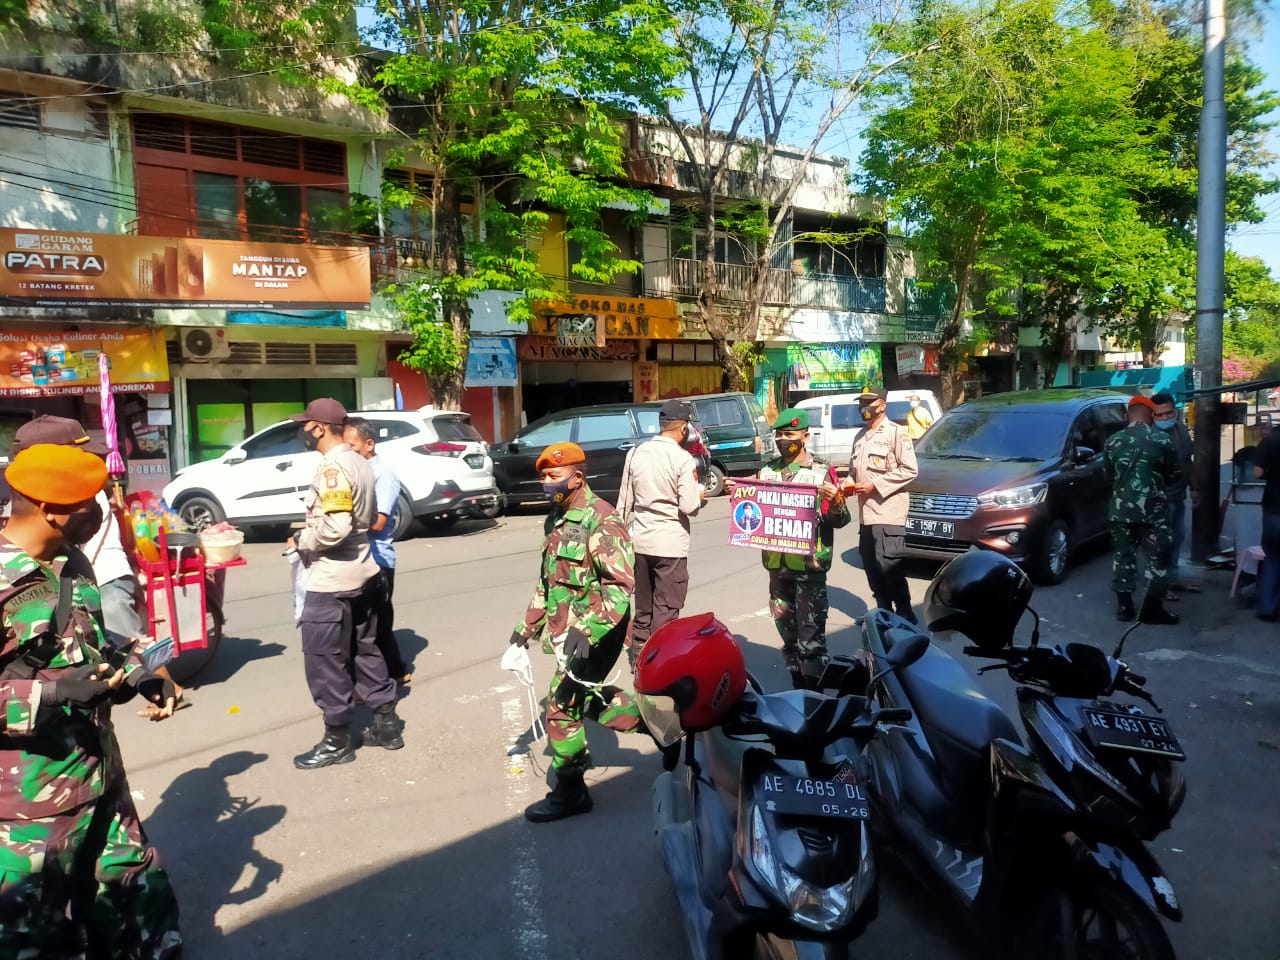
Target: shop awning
54, 363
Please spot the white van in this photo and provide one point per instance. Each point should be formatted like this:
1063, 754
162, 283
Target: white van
834, 420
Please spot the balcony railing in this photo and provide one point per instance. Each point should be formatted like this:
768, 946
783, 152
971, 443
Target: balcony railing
731, 281
861, 294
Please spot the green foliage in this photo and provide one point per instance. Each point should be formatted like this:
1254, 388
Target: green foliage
1251, 327
295, 38
436, 349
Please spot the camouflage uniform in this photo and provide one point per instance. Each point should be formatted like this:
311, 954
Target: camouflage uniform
1139, 461
586, 582
798, 585
76, 876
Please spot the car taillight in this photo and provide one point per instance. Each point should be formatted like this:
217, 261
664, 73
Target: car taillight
441, 448
696, 448
758, 445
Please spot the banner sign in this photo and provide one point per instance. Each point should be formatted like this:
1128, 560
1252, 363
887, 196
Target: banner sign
546, 348
771, 515
491, 362
54, 363
836, 366
43, 268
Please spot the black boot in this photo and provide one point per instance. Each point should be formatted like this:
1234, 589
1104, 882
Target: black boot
334, 748
385, 731
1124, 606
568, 798
1153, 610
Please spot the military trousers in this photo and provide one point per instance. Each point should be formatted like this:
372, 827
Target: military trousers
84, 884
662, 584
577, 694
1126, 537
340, 652
798, 604
882, 548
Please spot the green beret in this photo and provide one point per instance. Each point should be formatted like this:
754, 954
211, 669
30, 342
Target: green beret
793, 419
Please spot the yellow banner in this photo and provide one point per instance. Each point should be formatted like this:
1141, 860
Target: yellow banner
47, 268
628, 318
54, 363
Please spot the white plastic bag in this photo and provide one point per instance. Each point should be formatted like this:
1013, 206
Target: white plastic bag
298, 578
516, 659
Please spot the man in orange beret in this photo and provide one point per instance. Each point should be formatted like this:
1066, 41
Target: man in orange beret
76, 869
580, 611
1140, 461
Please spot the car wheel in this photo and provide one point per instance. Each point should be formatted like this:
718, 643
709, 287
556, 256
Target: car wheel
715, 481
404, 518
1052, 554
439, 524
200, 512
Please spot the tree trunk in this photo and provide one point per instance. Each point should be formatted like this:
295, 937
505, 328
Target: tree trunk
732, 376
447, 385
949, 349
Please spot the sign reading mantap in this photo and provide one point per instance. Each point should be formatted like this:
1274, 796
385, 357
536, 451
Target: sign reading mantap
46, 268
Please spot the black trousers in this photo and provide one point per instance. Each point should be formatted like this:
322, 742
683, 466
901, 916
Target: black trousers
882, 548
662, 583
340, 652
386, 626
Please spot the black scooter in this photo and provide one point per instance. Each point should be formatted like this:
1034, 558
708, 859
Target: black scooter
1041, 845
764, 830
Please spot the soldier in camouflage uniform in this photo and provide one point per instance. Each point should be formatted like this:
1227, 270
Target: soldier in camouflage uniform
580, 611
1139, 461
798, 585
77, 879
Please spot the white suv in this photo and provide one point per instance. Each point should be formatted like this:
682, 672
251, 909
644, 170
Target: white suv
442, 463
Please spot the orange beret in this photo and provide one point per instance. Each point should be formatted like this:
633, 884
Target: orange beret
58, 474
559, 455
1141, 401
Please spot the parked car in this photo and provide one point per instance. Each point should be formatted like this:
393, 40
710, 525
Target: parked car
836, 420
739, 439
605, 432
1020, 473
442, 462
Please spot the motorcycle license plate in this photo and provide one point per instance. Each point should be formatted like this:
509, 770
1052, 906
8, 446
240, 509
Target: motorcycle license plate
1130, 732
807, 797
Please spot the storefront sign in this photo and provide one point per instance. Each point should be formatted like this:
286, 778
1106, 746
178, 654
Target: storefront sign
546, 348
768, 515
915, 358
839, 326
54, 269
924, 330
491, 362
579, 330
290, 318
56, 364
645, 381
833, 366
622, 317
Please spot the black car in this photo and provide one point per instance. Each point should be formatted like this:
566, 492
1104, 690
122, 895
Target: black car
1019, 473
604, 432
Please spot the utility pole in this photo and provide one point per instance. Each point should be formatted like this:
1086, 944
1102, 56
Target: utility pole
1210, 255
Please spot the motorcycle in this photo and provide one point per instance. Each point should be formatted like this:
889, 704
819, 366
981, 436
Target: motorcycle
764, 829
1040, 844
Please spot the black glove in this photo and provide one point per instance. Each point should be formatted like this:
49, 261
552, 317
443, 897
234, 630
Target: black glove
76, 688
518, 640
154, 687
577, 644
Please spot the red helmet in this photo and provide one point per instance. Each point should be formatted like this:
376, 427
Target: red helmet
697, 663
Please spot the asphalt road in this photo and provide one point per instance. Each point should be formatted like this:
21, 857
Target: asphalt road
424, 852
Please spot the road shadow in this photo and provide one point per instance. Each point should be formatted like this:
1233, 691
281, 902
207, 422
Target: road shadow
232, 654
199, 812
851, 605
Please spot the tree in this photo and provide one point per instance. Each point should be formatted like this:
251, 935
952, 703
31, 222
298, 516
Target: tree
1251, 328
512, 109
757, 75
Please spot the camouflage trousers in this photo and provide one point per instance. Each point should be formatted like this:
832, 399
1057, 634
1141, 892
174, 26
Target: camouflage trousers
1126, 538
570, 702
798, 605
84, 884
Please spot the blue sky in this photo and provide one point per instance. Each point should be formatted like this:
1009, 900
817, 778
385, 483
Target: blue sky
1263, 239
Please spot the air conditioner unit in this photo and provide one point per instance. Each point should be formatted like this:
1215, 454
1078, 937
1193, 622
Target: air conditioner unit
205, 344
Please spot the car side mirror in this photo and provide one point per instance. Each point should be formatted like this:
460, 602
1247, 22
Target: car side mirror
1083, 454
232, 461
513, 447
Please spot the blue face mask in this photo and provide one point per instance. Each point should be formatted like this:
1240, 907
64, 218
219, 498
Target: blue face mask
558, 492
1166, 424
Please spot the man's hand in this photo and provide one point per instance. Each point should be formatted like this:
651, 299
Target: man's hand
828, 491
159, 690
82, 687
1195, 498
517, 640
577, 644
291, 544
862, 489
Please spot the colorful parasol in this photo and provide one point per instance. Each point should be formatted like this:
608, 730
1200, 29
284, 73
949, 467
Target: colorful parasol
115, 463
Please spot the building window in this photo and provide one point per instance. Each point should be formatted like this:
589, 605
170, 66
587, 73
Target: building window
19, 112
224, 182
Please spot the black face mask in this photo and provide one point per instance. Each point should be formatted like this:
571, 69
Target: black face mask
868, 414
309, 440
790, 448
80, 527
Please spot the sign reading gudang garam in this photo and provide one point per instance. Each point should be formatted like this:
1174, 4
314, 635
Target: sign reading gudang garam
771, 515
48, 268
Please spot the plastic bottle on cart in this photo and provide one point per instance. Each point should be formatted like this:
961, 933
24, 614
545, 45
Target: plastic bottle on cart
144, 534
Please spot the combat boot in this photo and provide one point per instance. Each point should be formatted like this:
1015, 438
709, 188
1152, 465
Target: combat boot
385, 731
1124, 607
1153, 610
568, 798
334, 748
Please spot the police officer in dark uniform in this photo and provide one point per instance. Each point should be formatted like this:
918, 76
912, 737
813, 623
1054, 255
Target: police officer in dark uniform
339, 615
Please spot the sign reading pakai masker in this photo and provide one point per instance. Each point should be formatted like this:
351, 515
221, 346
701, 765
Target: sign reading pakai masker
51, 268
